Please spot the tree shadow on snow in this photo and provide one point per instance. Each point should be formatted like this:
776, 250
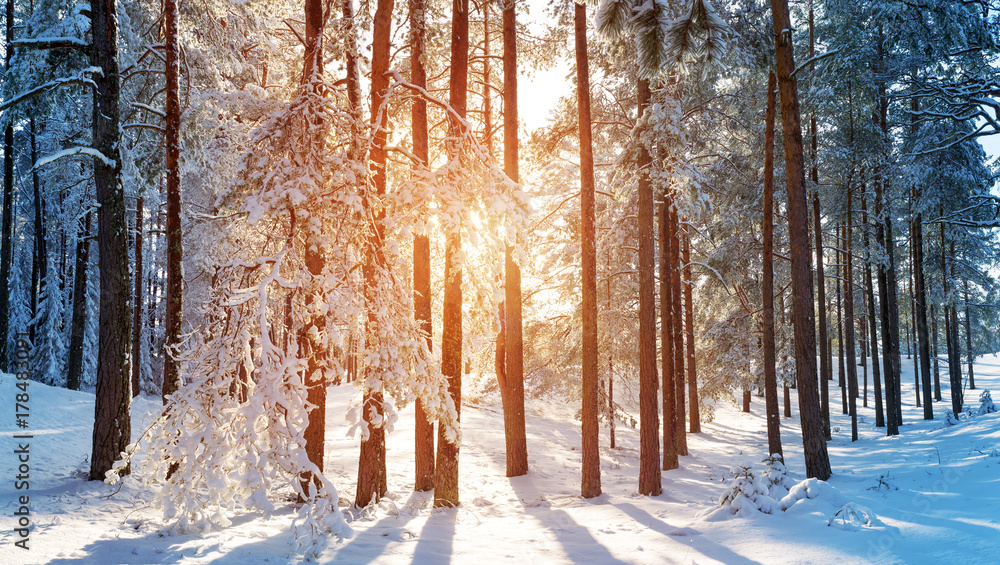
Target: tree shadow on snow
576, 540
153, 549
685, 536
437, 538
368, 544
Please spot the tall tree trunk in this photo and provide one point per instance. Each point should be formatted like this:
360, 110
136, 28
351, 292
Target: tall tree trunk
7, 224
423, 427
175, 253
923, 339
863, 363
591, 481
841, 375
112, 423
372, 475
968, 339
692, 373
767, 288
955, 362
825, 354
954, 381
79, 324
513, 412
934, 354
316, 359
816, 458
40, 264
825, 351
887, 273
892, 299
446, 473
680, 437
670, 452
913, 337
852, 365
136, 302
649, 420
872, 320
611, 367
788, 382
892, 422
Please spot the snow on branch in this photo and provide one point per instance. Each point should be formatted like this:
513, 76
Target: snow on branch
75, 151
813, 60
974, 98
51, 43
988, 208
82, 79
149, 108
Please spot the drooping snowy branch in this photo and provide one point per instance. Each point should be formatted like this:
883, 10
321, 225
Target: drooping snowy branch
82, 79
88, 151
50, 43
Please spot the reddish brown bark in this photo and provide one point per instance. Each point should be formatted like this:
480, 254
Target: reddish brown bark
814, 444
767, 290
317, 359
112, 423
136, 298
649, 421
372, 480
591, 483
423, 427
513, 411
680, 433
667, 341
175, 251
446, 473
692, 373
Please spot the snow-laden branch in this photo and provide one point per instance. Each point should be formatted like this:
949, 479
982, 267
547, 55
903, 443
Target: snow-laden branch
812, 60
149, 108
143, 125
51, 43
75, 151
712, 269
467, 129
82, 79
987, 204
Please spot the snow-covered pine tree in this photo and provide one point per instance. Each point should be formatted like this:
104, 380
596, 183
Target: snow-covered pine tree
49, 351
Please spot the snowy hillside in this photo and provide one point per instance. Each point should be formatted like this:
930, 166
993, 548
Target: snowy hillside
935, 488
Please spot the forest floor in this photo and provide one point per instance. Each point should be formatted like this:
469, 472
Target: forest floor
935, 487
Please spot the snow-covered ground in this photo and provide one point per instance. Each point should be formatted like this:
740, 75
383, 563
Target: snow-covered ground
935, 487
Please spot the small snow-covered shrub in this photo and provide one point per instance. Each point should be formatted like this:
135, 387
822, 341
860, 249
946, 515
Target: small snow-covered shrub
809, 489
748, 492
986, 405
950, 419
995, 453
852, 517
776, 475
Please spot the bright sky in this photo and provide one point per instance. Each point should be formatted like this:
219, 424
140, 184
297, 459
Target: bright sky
538, 94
